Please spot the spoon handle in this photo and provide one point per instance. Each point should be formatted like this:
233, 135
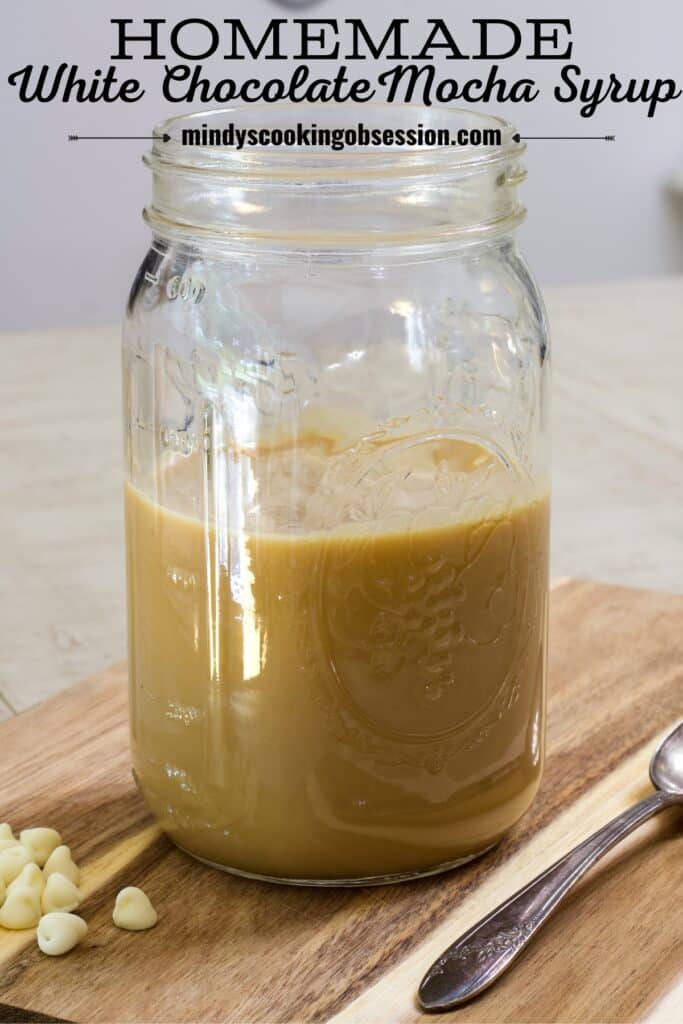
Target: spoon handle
476, 959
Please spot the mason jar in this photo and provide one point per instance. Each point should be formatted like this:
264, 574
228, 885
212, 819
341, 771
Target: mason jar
336, 428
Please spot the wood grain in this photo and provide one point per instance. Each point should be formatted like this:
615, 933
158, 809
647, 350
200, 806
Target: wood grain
226, 949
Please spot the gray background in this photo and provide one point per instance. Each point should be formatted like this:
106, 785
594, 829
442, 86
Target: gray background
72, 236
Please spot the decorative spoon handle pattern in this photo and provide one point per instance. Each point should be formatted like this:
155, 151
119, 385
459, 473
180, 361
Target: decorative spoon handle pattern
481, 955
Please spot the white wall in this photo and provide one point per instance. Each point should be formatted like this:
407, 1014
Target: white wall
70, 212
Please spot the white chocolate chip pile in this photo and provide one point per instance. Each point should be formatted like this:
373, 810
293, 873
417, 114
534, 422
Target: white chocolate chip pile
39, 888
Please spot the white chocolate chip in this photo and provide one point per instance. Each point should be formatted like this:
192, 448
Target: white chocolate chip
133, 910
30, 876
59, 932
60, 860
60, 894
13, 860
3, 892
41, 842
6, 831
21, 909
7, 844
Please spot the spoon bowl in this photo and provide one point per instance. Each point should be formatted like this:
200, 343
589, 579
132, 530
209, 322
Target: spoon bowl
666, 766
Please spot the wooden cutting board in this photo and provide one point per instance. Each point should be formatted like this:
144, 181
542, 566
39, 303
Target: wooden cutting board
227, 949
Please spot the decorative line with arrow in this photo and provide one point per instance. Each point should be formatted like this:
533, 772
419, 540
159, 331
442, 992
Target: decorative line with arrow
601, 138
158, 138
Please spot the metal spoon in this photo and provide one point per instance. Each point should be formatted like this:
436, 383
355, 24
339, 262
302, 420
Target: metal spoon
484, 952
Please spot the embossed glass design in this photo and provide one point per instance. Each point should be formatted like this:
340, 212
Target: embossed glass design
335, 388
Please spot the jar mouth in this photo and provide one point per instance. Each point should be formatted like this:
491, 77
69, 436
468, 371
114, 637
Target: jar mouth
313, 197
320, 161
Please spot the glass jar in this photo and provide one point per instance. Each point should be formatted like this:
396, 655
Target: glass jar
336, 370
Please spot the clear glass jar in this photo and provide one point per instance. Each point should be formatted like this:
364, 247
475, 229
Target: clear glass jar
336, 370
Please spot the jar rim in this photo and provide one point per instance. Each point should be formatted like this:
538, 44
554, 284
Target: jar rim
171, 154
